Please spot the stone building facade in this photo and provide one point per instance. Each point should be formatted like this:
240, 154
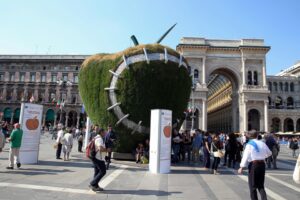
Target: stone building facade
231, 91
45, 79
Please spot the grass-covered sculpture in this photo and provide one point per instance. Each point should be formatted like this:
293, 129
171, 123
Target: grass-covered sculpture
122, 88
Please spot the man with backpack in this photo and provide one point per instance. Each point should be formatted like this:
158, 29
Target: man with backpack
294, 146
93, 151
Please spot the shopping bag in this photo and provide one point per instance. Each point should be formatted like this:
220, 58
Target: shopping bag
296, 174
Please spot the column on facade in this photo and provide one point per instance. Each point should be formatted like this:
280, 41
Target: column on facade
78, 120
66, 122
203, 71
266, 116
14, 95
4, 93
204, 115
264, 75
295, 124
69, 96
55, 119
244, 70
46, 97
245, 116
25, 93
282, 125
12, 118
36, 93
44, 120
233, 108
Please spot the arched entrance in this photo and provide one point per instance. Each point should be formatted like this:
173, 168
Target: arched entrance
16, 115
50, 117
275, 127
72, 119
61, 118
253, 120
222, 101
231, 75
288, 125
7, 114
298, 125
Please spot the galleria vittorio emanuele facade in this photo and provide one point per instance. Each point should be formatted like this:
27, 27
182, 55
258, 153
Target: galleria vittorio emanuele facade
231, 89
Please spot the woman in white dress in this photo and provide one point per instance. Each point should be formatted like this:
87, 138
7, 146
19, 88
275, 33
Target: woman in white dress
67, 144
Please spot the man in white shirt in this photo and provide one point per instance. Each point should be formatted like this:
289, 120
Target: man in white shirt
60, 135
254, 155
98, 162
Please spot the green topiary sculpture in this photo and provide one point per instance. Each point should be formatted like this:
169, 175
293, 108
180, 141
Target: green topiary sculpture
122, 88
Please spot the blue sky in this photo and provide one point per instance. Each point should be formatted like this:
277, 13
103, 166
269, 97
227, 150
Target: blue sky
94, 26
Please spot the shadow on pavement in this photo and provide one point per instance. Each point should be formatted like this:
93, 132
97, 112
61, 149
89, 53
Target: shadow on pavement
141, 192
33, 171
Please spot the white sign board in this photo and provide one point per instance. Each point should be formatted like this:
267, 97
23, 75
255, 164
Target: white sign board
31, 122
160, 141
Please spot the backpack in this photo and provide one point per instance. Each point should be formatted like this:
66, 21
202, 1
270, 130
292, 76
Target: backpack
90, 150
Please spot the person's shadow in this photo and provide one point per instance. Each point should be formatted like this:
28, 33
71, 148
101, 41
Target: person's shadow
140, 192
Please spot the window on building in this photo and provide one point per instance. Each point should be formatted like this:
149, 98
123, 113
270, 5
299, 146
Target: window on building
290, 103
54, 78
275, 86
65, 77
32, 77
43, 78
12, 77
75, 78
74, 97
286, 87
255, 81
249, 78
1, 77
292, 87
20, 94
196, 74
22, 77
280, 86
270, 86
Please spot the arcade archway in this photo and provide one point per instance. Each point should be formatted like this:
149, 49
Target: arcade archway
222, 101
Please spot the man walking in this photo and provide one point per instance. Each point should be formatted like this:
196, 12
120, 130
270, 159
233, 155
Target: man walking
59, 140
110, 138
15, 140
98, 163
255, 154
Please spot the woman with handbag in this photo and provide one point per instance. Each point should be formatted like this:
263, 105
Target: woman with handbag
217, 152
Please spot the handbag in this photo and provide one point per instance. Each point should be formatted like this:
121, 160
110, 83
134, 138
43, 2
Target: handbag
55, 145
218, 153
296, 174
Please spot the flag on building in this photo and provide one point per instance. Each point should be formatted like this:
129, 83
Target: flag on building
31, 99
58, 103
62, 104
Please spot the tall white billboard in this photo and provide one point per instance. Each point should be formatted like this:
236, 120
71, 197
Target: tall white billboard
160, 141
31, 122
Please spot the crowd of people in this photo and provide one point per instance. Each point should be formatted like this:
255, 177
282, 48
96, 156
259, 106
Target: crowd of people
197, 146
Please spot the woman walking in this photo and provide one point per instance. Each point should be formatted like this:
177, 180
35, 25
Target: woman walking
216, 148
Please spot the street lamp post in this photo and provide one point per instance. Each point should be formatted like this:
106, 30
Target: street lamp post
62, 84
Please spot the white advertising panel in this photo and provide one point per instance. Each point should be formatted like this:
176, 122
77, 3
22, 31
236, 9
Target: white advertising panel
31, 122
160, 141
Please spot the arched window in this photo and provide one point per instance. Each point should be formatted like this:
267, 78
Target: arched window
288, 125
255, 81
278, 102
286, 87
249, 78
270, 101
280, 86
290, 103
275, 87
196, 74
270, 86
292, 87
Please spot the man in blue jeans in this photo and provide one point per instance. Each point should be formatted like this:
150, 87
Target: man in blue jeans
98, 162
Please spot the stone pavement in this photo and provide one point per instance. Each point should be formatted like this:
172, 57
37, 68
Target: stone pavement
56, 179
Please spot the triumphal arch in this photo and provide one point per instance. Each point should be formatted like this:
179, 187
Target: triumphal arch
230, 92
